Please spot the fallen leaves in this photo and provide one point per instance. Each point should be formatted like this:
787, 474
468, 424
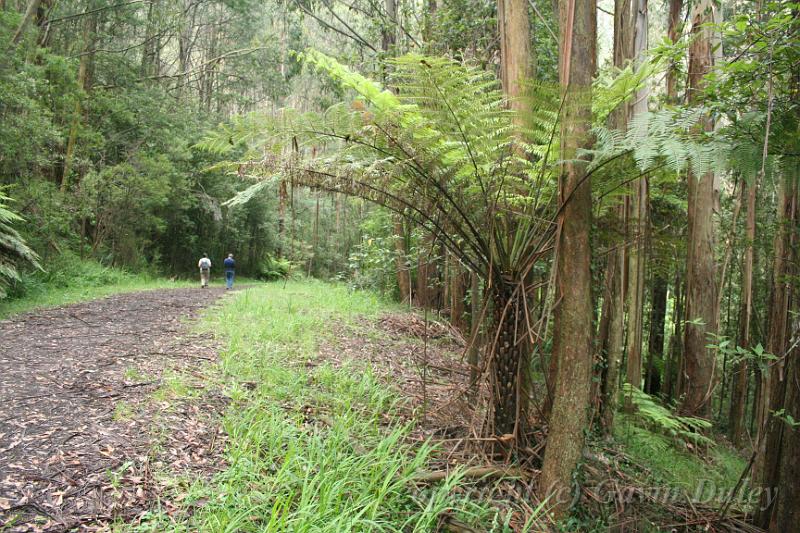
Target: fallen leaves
68, 458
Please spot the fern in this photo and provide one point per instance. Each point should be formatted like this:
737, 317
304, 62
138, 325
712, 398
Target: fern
654, 416
13, 249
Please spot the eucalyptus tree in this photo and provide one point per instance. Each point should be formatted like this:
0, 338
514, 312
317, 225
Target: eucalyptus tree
573, 327
701, 290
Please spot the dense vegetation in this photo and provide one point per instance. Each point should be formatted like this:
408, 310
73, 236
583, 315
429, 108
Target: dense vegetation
604, 201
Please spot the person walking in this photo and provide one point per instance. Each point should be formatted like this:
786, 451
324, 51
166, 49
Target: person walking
205, 270
230, 266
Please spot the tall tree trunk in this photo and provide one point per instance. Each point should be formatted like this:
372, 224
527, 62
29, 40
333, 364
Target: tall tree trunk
701, 288
673, 360
655, 342
740, 368
89, 33
786, 515
673, 32
515, 49
612, 331
638, 224
673, 363
572, 334
774, 384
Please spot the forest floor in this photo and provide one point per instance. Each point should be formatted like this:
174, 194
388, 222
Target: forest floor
269, 410
77, 420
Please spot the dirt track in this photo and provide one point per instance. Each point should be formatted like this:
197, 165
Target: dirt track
77, 414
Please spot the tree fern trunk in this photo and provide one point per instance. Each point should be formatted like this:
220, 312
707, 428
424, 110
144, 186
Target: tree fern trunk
510, 361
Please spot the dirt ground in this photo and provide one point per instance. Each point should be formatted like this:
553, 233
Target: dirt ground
82, 424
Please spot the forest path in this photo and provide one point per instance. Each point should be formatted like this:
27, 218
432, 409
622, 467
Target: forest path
78, 407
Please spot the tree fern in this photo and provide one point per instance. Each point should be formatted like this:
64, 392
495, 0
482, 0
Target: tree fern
13, 249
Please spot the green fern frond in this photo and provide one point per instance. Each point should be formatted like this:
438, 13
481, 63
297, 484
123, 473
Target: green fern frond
13, 249
654, 416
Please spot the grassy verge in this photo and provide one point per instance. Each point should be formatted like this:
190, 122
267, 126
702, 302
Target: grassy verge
312, 447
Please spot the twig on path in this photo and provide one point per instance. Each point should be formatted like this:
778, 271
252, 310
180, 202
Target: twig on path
142, 384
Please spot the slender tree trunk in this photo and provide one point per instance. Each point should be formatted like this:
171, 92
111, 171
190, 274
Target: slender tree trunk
612, 331
655, 344
401, 260
428, 23
473, 355
389, 32
701, 288
148, 50
42, 22
89, 32
674, 31
673, 362
427, 290
573, 329
458, 292
638, 224
672, 366
740, 368
612, 339
774, 384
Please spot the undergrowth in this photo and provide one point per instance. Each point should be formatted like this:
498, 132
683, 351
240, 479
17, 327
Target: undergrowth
311, 446
706, 476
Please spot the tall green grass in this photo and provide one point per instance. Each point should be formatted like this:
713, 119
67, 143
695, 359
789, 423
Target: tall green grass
311, 447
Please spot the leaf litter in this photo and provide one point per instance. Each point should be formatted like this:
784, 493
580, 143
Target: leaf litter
96, 400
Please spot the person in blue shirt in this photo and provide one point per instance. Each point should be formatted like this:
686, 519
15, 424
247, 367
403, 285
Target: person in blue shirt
229, 265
